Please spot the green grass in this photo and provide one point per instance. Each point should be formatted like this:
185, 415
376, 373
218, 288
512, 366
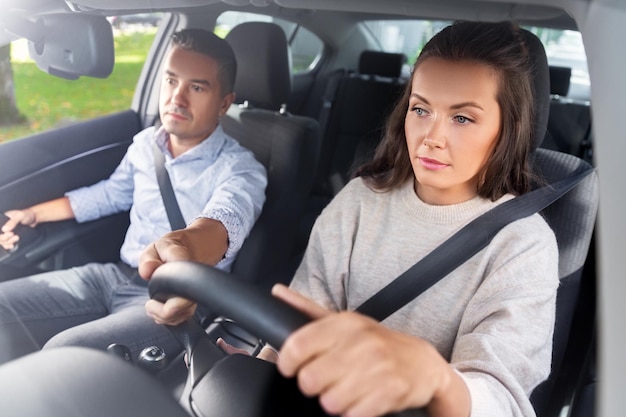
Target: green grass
47, 101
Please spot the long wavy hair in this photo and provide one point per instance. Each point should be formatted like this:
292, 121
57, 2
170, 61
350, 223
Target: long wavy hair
501, 47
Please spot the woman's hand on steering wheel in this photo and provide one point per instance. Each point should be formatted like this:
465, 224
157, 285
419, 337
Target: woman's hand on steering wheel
355, 365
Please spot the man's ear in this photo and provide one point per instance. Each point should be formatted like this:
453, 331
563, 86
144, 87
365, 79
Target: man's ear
227, 100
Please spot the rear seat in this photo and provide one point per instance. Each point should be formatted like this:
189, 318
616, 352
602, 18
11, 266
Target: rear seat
354, 110
355, 107
569, 125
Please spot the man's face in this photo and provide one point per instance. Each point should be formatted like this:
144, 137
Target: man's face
191, 100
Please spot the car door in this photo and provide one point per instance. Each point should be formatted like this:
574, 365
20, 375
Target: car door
47, 164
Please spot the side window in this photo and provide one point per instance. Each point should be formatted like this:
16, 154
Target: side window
404, 36
306, 47
564, 48
44, 102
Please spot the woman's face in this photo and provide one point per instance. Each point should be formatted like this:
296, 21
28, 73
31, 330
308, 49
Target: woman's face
452, 123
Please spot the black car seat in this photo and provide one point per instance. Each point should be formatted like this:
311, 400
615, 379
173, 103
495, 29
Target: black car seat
355, 107
353, 111
572, 218
287, 145
569, 126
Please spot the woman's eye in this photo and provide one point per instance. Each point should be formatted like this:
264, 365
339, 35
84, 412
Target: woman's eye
462, 119
419, 111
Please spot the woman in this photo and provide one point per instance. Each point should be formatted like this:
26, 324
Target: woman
477, 343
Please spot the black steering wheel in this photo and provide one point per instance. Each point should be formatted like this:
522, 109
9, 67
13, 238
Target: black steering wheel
254, 310
236, 385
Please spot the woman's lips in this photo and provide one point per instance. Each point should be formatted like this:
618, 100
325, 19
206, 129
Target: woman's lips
431, 163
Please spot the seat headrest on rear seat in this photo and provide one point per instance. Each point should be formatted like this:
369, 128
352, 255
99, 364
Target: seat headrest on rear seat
384, 64
559, 80
540, 77
263, 66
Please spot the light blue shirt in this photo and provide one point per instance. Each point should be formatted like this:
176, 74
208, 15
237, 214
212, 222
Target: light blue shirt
217, 179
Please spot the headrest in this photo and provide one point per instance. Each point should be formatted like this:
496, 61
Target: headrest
559, 80
541, 85
263, 64
385, 64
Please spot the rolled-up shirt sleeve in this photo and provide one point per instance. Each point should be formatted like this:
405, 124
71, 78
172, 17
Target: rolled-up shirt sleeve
238, 200
106, 197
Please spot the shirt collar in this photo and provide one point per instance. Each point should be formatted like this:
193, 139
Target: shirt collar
208, 149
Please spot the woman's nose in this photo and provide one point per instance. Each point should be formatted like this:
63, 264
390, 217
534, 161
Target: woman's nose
435, 135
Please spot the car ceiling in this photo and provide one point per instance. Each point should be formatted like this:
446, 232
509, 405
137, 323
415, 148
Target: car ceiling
483, 9
520, 10
529, 12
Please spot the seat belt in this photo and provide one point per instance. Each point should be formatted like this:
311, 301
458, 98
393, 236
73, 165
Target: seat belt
190, 332
174, 215
464, 244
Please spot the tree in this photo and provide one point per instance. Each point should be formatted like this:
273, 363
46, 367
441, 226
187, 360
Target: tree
9, 114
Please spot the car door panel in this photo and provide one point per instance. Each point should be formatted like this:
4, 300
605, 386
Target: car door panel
45, 166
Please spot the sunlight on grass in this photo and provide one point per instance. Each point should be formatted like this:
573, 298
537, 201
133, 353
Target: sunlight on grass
48, 101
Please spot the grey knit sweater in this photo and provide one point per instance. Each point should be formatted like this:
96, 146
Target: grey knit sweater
492, 318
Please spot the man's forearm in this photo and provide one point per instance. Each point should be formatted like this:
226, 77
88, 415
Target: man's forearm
53, 210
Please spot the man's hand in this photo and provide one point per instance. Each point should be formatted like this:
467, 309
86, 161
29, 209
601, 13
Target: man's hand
8, 239
204, 241
49, 211
174, 311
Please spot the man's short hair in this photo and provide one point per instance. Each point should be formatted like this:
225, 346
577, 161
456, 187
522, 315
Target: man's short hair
209, 44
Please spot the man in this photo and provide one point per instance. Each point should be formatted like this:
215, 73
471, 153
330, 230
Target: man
220, 189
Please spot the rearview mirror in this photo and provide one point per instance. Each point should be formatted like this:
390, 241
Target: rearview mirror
68, 45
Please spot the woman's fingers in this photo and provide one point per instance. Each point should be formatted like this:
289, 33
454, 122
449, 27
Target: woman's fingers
357, 366
299, 302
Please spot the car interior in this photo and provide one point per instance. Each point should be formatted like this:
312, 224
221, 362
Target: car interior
310, 127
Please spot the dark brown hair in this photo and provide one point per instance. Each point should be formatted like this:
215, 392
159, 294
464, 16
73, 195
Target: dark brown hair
209, 44
501, 47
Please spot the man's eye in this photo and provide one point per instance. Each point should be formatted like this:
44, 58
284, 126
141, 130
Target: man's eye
197, 88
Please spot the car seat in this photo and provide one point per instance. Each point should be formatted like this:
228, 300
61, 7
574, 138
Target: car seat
287, 145
572, 218
353, 111
353, 116
569, 125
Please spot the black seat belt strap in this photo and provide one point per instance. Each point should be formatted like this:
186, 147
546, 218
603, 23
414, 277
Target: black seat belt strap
464, 244
174, 215
189, 333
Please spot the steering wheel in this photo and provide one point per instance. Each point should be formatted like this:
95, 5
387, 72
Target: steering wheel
254, 310
236, 385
